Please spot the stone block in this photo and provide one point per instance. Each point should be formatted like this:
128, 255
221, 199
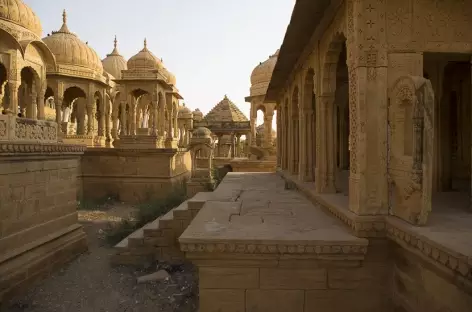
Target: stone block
229, 278
219, 300
275, 278
276, 301
345, 300
372, 276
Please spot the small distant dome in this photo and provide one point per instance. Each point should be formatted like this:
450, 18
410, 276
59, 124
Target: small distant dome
197, 115
185, 113
114, 63
262, 74
261, 129
17, 12
169, 76
144, 61
202, 133
69, 50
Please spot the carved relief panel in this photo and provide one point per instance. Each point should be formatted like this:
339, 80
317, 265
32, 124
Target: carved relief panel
410, 148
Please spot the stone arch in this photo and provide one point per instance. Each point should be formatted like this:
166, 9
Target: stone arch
74, 109
333, 119
48, 57
330, 63
10, 41
4, 98
28, 93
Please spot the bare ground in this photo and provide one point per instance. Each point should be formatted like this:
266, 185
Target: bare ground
90, 284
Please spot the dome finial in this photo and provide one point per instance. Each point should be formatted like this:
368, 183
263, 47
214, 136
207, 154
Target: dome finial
116, 42
226, 97
64, 28
145, 43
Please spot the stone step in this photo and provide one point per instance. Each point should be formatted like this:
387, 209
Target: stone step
165, 222
152, 229
197, 202
182, 212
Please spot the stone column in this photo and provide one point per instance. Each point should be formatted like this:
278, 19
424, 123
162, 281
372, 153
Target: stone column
102, 125
252, 139
279, 137
58, 105
41, 104
238, 148
326, 162
32, 112
81, 112
13, 90
233, 145
162, 115
218, 148
170, 126
91, 110
114, 120
124, 130
268, 119
306, 146
155, 118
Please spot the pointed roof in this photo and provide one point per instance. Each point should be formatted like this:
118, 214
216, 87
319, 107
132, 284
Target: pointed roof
225, 111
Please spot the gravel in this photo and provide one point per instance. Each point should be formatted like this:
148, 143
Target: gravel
90, 284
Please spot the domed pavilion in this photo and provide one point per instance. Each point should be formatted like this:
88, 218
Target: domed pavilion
78, 87
228, 124
260, 79
24, 60
147, 102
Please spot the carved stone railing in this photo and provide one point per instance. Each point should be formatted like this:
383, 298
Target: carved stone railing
23, 130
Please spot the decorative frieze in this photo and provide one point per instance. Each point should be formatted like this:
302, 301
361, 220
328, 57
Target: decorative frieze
249, 248
7, 148
27, 130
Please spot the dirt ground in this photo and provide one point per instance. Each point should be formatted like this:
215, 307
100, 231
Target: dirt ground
90, 284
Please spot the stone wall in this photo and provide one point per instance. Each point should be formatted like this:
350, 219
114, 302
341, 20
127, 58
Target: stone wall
39, 230
421, 286
132, 175
296, 283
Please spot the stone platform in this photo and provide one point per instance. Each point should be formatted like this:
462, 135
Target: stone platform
261, 247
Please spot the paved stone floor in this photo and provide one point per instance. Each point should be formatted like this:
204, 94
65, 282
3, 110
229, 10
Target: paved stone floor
257, 207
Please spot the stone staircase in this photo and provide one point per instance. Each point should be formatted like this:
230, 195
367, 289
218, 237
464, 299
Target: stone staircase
158, 240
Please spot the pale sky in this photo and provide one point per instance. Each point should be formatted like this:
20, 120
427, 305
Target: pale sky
211, 46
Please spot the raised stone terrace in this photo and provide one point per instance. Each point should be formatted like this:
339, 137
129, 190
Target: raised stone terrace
262, 247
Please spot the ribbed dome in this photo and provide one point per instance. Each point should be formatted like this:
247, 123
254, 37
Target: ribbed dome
70, 50
114, 63
197, 115
15, 11
202, 132
144, 61
262, 74
185, 112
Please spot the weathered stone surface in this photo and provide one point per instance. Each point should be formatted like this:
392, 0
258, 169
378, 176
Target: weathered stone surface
275, 300
227, 300
228, 278
154, 277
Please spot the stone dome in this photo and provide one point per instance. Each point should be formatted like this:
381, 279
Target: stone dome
262, 74
185, 112
169, 76
114, 63
197, 115
201, 133
69, 50
261, 129
17, 12
144, 61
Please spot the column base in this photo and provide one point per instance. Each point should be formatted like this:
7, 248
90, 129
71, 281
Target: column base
140, 142
99, 141
171, 143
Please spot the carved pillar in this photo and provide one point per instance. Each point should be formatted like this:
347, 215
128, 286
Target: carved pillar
123, 121
325, 160
170, 125
41, 104
283, 134
13, 90
32, 108
58, 104
306, 146
155, 118
102, 124
238, 143
279, 137
162, 115
368, 84
91, 110
268, 119
233, 146
302, 137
